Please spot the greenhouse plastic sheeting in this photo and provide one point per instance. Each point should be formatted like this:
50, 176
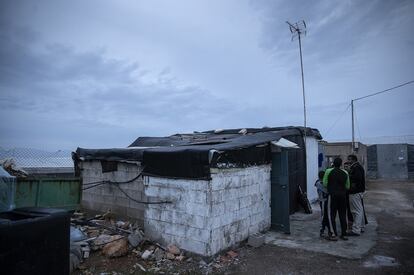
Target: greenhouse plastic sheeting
7, 190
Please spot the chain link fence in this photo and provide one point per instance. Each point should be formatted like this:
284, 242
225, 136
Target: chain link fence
34, 158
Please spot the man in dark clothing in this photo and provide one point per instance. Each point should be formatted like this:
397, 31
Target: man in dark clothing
356, 194
350, 218
336, 180
323, 203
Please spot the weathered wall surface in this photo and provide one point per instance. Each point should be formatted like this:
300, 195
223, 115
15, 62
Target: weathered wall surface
208, 216
410, 161
240, 200
372, 160
392, 161
108, 197
311, 167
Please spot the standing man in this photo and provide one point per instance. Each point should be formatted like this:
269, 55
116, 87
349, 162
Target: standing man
356, 194
336, 180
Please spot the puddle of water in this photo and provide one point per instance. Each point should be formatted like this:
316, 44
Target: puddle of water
379, 261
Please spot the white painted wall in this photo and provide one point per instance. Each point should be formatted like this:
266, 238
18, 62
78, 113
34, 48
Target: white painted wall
209, 216
311, 167
107, 197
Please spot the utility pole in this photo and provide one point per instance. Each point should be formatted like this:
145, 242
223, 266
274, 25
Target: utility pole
353, 126
297, 29
370, 95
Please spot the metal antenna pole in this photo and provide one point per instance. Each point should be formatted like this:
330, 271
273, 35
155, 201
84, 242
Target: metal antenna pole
297, 30
353, 126
303, 82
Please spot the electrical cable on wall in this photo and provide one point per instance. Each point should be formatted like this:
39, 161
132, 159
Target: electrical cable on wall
117, 184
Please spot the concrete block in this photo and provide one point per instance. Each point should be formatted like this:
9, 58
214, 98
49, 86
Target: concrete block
152, 191
256, 240
196, 221
176, 230
231, 205
194, 246
245, 201
198, 234
217, 209
135, 213
153, 214
253, 229
217, 196
198, 209
121, 201
196, 196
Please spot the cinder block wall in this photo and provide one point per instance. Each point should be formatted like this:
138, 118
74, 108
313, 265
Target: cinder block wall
109, 197
209, 216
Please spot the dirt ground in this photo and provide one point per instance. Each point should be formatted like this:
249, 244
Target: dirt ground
391, 203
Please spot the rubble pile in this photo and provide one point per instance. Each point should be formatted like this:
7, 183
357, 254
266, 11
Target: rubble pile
116, 240
11, 167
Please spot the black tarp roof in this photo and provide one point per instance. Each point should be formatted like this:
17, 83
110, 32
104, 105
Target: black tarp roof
192, 155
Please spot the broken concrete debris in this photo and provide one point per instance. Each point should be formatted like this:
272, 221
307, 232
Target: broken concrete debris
100, 241
173, 249
116, 238
170, 256
135, 239
159, 254
146, 254
117, 247
256, 240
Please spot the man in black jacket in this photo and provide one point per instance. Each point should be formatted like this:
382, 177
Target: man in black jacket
336, 180
356, 194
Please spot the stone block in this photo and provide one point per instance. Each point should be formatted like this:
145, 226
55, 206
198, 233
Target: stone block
217, 209
153, 214
194, 246
176, 230
231, 205
135, 213
197, 209
121, 201
256, 240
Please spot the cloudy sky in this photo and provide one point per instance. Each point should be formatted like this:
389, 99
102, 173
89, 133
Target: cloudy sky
98, 74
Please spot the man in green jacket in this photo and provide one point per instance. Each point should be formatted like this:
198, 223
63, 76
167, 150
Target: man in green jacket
336, 181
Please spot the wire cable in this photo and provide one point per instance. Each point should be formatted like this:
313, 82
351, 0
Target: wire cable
384, 91
337, 120
117, 183
137, 201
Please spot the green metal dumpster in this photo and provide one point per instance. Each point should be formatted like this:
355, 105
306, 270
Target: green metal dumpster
48, 192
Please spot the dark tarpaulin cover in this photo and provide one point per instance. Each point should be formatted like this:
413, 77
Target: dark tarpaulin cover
192, 155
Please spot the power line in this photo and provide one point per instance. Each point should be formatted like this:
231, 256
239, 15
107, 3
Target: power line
370, 95
384, 91
337, 120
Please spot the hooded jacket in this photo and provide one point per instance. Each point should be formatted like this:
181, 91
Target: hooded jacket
357, 178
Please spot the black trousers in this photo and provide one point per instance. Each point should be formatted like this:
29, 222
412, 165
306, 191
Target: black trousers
337, 204
324, 215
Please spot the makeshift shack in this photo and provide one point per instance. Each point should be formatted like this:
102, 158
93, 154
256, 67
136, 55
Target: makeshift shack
203, 191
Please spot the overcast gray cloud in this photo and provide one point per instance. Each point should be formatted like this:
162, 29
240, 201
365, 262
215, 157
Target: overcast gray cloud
101, 73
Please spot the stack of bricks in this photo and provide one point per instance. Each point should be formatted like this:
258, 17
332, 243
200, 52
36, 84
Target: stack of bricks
207, 216
184, 222
240, 205
108, 197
